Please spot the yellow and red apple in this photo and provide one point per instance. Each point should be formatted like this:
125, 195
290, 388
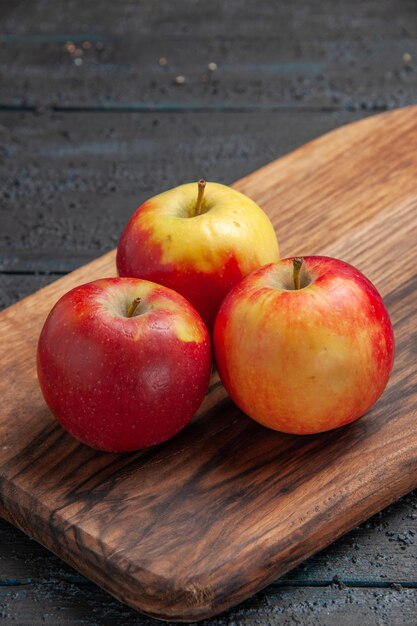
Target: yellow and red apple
199, 239
123, 363
304, 345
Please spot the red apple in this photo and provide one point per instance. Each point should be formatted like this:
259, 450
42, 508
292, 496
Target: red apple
123, 363
304, 345
199, 240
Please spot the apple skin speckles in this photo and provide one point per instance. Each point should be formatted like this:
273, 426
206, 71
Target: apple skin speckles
120, 383
200, 256
309, 360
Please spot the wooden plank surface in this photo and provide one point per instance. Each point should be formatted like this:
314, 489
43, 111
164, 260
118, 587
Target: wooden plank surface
387, 205
86, 605
349, 38
300, 55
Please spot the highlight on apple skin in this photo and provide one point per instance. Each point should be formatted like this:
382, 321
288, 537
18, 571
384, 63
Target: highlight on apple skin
304, 345
123, 363
198, 239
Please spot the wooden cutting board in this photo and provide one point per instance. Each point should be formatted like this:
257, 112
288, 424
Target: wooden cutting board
196, 525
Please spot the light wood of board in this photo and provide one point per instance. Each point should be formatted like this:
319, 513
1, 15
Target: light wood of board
194, 526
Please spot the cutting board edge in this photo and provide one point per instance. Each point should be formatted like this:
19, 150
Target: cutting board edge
62, 279
195, 592
392, 498
316, 142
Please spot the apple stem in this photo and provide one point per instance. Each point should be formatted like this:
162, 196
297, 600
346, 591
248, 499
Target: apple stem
297, 263
201, 186
132, 307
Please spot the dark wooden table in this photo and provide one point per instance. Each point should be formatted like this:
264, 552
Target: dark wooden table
94, 119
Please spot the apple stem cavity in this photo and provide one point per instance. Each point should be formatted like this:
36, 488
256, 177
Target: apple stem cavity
297, 264
201, 186
133, 307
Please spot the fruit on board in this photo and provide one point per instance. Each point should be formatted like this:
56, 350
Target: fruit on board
304, 345
199, 239
123, 363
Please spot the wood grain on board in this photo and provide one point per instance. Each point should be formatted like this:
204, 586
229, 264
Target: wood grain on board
196, 525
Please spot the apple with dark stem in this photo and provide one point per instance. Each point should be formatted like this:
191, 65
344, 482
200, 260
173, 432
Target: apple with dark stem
123, 363
199, 239
304, 345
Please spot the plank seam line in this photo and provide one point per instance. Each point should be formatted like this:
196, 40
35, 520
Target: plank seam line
191, 108
354, 584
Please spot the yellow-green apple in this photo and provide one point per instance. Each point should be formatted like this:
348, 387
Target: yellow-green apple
304, 345
199, 239
123, 363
